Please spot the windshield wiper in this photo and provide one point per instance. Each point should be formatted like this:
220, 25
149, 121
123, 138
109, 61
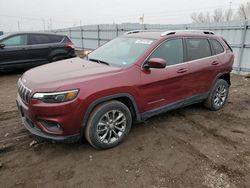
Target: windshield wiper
99, 61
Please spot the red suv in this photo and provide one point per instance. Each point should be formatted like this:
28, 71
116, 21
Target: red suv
127, 80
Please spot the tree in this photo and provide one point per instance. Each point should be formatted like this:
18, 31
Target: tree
218, 15
194, 17
200, 18
244, 11
229, 15
208, 17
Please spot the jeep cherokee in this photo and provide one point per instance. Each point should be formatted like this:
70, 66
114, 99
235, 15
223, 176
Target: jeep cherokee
129, 79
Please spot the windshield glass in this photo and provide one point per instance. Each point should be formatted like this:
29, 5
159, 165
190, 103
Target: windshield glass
121, 52
4, 36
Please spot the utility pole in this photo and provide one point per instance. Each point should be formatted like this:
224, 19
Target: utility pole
43, 21
50, 24
141, 19
18, 25
230, 5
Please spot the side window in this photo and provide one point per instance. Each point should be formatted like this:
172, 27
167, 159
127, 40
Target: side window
17, 40
66, 39
171, 51
216, 46
55, 38
39, 39
197, 49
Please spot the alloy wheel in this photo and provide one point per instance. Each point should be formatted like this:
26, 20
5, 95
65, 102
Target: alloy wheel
111, 126
220, 95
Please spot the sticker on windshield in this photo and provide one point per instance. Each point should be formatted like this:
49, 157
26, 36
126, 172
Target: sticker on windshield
143, 41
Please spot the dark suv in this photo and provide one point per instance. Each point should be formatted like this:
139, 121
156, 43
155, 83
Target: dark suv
127, 80
25, 50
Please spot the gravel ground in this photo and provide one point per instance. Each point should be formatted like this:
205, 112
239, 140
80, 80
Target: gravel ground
189, 147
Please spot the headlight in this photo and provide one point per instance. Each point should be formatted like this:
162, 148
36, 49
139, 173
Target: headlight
56, 97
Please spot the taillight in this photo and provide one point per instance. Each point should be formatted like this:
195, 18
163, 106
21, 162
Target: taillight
69, 45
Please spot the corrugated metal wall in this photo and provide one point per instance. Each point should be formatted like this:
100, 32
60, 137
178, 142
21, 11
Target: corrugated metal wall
237, 33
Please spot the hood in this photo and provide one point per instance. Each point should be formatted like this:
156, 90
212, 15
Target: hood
51, 76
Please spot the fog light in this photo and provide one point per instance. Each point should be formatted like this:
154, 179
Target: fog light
52, 126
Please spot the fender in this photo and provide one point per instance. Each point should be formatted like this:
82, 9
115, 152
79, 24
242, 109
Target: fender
216, 78
108, 98
58, 52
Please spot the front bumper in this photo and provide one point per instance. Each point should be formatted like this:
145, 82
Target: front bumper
37, 132
32, 114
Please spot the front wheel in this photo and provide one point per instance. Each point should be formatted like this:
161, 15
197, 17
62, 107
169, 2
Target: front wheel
218, 95
108, 125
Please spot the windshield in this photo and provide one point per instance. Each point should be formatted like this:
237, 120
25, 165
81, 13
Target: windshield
120, 52
4, 36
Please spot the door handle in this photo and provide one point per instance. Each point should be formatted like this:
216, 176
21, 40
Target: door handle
215, 63
182, 70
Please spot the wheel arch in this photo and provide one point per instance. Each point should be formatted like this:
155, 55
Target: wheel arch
226, 77
57, 52
124, 98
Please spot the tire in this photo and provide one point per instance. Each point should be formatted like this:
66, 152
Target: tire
217, 96
56, 58
101, 131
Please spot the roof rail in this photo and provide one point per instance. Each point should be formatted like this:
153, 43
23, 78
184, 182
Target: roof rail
134, 31
207, 32
140, 31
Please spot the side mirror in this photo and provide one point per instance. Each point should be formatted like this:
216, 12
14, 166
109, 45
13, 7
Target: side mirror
86, 53
83, 53
2, 45
157, 63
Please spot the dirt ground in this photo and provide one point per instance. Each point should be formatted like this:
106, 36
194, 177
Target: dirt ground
190, 147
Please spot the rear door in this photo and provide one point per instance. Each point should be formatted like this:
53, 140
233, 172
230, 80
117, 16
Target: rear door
161, 87
220, 54
201, 64
14, 54
39, 48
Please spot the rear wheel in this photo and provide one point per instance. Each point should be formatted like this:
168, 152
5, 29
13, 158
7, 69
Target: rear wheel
218, 95
56, 58
108, 125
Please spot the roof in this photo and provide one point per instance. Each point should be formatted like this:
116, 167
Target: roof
37, 32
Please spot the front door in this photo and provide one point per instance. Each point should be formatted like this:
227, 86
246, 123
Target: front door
14, 52
162, 87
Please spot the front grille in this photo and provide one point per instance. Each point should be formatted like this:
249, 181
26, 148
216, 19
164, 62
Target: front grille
23, 91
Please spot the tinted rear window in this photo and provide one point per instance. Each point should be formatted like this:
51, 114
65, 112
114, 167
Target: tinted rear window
66, 39
228, 45
39, 39
197, 49
55, 38
217, 46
